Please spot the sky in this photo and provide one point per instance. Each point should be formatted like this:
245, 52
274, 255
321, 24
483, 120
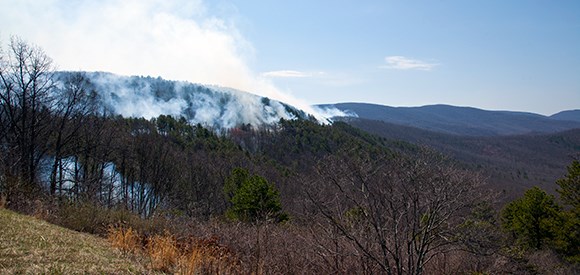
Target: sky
519, 55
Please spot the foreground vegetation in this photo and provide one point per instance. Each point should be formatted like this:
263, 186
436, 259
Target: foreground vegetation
32, 246
293, 197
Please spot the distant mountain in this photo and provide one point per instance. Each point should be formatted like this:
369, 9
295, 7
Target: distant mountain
465, 121
512, 163
212, 106
571, 115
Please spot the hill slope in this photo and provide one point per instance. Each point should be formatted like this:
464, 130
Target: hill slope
460, 120
570, 115
213, 106
32, 246
511, 162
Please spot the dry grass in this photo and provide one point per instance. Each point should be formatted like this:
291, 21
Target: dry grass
32, 246
207, 257
127, 240
163, 252
168, 254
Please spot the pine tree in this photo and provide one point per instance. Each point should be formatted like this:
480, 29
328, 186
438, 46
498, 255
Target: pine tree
533, 219
252, 198
568, 241
570, 187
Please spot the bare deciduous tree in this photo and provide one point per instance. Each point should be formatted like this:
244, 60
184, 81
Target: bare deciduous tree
25, 99
76, 100
397, 212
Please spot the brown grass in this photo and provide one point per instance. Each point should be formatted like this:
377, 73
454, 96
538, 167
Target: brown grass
163, 252
168, 254
125, 239
206, 256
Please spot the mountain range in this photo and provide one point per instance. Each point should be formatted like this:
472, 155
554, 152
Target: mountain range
223, 108
464, 121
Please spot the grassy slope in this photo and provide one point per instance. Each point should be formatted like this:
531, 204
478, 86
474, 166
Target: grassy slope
32, 246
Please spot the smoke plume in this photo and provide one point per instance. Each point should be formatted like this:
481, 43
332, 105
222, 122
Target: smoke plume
178, 40
214, 106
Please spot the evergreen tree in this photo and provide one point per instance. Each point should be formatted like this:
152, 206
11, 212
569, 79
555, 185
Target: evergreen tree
253, 199
568, 241
570, 187
234, 182
533, 219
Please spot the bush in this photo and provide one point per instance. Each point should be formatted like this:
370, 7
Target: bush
94, 219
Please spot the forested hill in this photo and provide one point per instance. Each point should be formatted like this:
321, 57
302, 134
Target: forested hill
464, 120
512, 162
211, 106
570, 115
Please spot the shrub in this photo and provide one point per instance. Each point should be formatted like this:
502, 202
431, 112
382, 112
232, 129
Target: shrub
95, 219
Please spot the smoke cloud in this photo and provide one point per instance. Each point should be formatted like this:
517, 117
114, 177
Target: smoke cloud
217, 107
176, 40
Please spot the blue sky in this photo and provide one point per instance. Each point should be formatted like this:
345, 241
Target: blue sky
500, 55
517, 55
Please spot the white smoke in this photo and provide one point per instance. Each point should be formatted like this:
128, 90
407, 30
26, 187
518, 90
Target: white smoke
247, 108
177, 40
214, 106
330, 112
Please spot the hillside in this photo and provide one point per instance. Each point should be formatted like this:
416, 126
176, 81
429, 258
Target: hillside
570, 115
465, 121
511, 162
32, 246
148, 97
